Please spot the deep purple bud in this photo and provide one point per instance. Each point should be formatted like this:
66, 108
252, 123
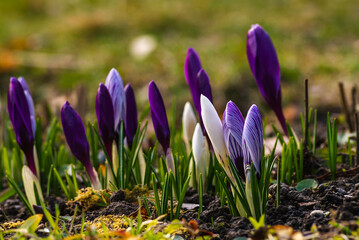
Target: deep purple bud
203, 87
159, 117
105, 117
30, 103
19, 113
75, 135
114, 85
131, 121
233, 123
252, 138
192, 66
264, 64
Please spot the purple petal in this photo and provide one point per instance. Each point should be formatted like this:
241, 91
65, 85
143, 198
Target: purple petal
30, 103
203, 87
105, 117
252, 139
131, 121
192, 66
20, 116
159, 116
75, 134
114, 85
264, 64
233, 123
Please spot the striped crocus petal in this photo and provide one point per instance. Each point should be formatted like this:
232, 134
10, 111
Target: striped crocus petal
19, 113
105, 117
159, 116
115, 87
233, 123
30, 102
131, 121
192, 66
252, 138
264, 64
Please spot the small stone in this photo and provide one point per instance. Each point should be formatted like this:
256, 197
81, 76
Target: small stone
317, 213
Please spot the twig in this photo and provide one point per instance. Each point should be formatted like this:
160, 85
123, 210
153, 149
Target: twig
345, 106
357, 139
354, 98
306, 115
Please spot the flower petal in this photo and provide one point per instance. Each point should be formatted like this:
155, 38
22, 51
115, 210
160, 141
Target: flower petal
75, 134
192, 66
159, 116
131, 121
189, 122
233, 123
105, 117
114, 85
252, 139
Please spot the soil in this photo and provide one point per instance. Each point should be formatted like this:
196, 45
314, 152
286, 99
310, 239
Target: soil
336, 200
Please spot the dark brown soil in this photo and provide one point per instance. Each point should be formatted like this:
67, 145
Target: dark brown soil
337, 200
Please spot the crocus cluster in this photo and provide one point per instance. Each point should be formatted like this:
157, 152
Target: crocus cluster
264, 64
241, 139
22, 116
75, 134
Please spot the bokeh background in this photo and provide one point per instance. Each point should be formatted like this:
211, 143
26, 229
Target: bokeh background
65, 48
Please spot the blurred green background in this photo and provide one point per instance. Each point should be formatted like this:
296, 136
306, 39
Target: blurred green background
65, 48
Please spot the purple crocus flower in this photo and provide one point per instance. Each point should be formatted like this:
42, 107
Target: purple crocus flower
18, 108
114, 85
105, 117
192, 66
131, 121
75, 134
159, 116
252, 139
264, 64
30, 103
233, 123
203, 87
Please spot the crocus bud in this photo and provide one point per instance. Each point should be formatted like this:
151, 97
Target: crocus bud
18, 108
189, 122
131, 121
213, 126
159, 117
29, 179
105, 118
75, 134
264, 64
203, 87
232, 130
114, 85
30, 103
200, 153
192, 65
252, 139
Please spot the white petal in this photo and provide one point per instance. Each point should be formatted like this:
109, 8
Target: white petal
189, 122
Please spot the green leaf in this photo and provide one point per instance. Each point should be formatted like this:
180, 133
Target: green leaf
31, 223
306, 183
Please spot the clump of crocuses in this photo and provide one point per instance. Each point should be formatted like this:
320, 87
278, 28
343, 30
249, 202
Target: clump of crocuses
242, 141
75, 134
264, 64
22, 117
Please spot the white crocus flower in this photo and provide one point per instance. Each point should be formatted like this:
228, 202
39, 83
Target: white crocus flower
214, 129
200, 153
189, 122
29, 178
